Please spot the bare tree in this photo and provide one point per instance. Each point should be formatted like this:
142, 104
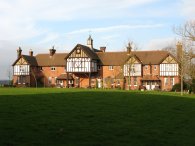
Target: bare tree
187, 34
9, 74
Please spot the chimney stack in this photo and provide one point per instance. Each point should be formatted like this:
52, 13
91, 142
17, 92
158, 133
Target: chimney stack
103, 49
179, 50
129, 48
30, 52
52, 51
19, 52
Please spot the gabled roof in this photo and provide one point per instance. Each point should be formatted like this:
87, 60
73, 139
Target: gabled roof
119, 58
31, 60
151, 57
112, 58
56, 60
87, 50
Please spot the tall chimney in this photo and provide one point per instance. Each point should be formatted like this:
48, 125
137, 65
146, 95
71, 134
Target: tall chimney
129, 48
103, 49
90, 42
179, 50
52, 51
30, 52
19, 52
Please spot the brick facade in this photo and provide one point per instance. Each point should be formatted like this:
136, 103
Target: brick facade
50, 69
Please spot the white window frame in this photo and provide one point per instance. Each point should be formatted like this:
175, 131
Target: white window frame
166, 81
111, 67
155, 67
53, 68
172, 80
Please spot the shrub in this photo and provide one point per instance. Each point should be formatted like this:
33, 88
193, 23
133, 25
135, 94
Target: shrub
177, 87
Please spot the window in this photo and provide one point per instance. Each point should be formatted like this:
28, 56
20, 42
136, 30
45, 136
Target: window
135, 81
110, 67
49, 80
155, 67
70, 82
53, 68
172, 81
40, 68
21, 68
146, 67
99, 67
77, 81
55, 80
166, 81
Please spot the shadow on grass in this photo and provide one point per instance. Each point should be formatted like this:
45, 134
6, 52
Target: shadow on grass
98, 118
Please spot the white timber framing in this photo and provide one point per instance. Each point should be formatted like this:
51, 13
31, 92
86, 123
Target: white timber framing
169, 67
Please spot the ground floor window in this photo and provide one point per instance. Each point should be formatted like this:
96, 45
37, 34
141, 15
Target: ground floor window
21, 79
135, 81
172, 81
166, 81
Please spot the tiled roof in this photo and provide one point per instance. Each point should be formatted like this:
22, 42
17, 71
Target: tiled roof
64, 77
150, 78
119, 58
112, 58
151, 57
87, 50
56, 60
30, 59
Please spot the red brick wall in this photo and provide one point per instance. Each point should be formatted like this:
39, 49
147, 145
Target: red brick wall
47, 72
168, 86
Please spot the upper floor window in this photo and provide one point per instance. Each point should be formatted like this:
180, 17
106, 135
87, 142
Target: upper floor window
53, 68
22, 69
155, 67
99, 67
110, 67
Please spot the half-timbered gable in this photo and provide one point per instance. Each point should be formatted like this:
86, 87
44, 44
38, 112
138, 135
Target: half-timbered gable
22, 65
169, 67
81, 59
132, 67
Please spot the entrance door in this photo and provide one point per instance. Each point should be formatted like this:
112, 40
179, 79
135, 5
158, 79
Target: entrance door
99, 83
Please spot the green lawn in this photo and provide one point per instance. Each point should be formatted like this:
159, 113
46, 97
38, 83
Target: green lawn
81, 117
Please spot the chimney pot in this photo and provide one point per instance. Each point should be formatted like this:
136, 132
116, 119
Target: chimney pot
52, 51
103, 49
30, 52
129, 48
19, 52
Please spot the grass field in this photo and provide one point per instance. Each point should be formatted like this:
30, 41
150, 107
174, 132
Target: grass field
81, 117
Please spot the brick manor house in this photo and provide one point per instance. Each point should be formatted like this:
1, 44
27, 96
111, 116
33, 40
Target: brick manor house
86, 67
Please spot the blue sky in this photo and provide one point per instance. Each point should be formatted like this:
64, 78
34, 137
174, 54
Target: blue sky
40, 24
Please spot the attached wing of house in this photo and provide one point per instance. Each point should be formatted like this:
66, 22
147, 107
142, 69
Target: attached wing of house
81, 60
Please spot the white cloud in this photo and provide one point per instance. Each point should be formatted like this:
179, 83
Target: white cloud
160, 43
188, 8
114, 28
